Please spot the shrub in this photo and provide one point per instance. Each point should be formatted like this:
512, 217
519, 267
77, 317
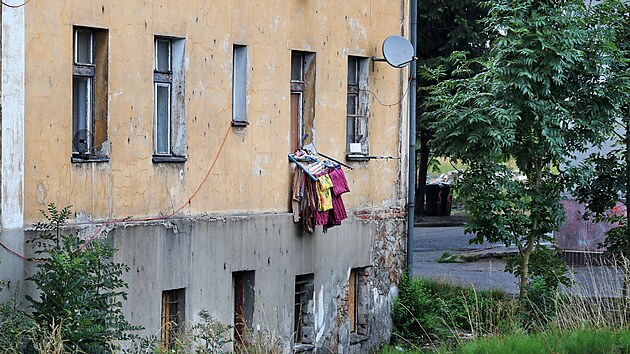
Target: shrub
81, 288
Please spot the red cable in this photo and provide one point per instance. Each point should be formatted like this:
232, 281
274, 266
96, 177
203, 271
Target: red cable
15, 7
131, 220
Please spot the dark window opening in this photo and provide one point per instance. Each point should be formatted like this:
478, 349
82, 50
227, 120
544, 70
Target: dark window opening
304, 316
244, 286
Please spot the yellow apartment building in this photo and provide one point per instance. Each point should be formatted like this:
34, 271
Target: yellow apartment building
167, 126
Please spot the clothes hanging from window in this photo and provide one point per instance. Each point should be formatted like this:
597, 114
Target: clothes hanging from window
316, 198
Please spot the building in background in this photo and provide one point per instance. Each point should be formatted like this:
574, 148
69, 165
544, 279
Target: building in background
167, 124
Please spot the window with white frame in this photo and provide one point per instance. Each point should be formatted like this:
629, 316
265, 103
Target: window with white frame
89, 94
356, 112
168, 98
239, 85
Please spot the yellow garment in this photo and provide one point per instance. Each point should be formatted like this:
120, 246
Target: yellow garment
324, 194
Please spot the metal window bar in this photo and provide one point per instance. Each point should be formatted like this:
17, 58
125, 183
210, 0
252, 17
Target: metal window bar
170, 317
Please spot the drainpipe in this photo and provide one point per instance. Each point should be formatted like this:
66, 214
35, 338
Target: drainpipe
411, 200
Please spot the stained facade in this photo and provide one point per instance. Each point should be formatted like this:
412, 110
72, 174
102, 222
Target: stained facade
167, 124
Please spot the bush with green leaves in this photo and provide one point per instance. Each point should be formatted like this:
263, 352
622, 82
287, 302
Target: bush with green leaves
80, 288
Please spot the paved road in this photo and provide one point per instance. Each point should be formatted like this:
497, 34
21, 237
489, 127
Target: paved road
431, 242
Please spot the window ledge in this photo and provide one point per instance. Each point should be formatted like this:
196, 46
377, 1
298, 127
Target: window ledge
88, 159
356, 157
356, 338
240, 123
301, 347
168, 159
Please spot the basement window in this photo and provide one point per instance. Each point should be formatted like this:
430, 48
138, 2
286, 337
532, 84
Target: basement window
172, 319
357, 146
244, 285
358, 305
89, 95
304, 313
169, 121
302, 99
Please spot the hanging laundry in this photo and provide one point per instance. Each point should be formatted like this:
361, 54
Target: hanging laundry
316, 192
338, 178
324, 192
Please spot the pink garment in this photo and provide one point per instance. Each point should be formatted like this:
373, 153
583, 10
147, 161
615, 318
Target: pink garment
340, 184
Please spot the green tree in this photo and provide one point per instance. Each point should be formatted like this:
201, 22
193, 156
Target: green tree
607, 177
80, 287
444, 27
538, 99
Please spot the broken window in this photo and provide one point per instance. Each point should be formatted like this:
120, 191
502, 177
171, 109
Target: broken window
304, 315
89, 95
239, 85
243, 283
172, 318
356, 113
168, 98
302, 98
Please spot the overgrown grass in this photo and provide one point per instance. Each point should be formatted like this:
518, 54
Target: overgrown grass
592, 316
432, 313
553, 341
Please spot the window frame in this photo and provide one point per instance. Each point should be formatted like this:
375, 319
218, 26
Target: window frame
167, 332
156, 130
94, 72
356, 122
240, 79
162, 79
304, 88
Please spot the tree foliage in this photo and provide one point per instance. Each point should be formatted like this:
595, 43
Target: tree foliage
444, 27
537, 100
81, 288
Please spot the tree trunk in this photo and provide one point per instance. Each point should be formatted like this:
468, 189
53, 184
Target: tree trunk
525, 267
423, 166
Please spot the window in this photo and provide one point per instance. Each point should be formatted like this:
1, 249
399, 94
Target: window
89, 95
169, 121
358, 303
356, 113
243, 283
303, 323
239, 85
302, 99
172, 315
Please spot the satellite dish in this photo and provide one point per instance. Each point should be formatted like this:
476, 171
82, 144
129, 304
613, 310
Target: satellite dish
82, 141
398, 51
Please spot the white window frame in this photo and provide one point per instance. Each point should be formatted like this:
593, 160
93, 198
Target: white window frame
162, 79
76, 41
168, 119
79, 69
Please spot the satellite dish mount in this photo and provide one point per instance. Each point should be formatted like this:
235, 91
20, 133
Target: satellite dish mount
398, 52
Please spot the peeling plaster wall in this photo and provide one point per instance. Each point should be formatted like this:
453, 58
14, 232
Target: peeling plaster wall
252, 174
201, 255
13, 100
238, 220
